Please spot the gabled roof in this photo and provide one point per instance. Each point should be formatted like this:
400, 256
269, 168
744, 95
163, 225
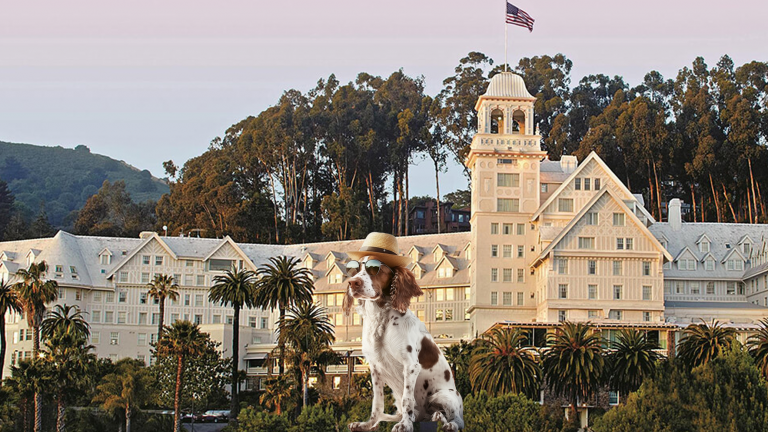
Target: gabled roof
135, 251
585, 209
105, 251
707, 256
733, 250
418, 249
337, 265
11, 267
450, 261
467, 246
414, 265
336, 255
746, 239
441, 246
702, 238
592, 157
7, 255
682, 252
228, 240
35, 252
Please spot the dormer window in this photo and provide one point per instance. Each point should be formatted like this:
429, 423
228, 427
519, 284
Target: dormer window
704, 246
746, 247
105, 259
735, 264
709, 264
497, 121
59, 268
73, 270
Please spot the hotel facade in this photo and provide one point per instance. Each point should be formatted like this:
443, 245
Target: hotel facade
549, 241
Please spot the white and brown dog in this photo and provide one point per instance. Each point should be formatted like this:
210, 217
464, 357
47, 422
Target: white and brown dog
400, 351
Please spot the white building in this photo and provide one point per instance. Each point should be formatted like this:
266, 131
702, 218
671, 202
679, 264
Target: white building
550, 241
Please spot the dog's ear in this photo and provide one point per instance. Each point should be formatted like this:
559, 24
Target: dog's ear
346, 306
404, 287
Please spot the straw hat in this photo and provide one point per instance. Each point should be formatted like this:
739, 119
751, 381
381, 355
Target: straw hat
384, 248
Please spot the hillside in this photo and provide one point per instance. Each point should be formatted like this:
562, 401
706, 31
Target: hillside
64, 178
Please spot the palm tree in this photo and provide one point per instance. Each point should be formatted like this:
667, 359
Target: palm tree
70, 364
234, 288
758, 347
283, 283
632, 358
163, 287
9, 302
501, 365
30, 378
35, 293
125, 389
309, 333
277, 391
573, 362
65, 320
181, 340
703, 342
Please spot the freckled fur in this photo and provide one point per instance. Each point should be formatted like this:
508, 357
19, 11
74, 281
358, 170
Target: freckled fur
395, 353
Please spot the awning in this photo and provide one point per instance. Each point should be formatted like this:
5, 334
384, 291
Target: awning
255, 356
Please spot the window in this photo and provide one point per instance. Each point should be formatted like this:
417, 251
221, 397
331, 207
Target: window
735, 264
593, 218
144, 277
97, 296
155, 318
507, 180
577, 184
221, 264
520, 251
586, 242
174, 317
506, 298
586, 184
695, 288
704, 246
198, 319
562, 266
710, 288
709, 264
494, 251
593, 314
520, 275
562, 291
158, 260
200, 280
198, 300
230, 319
109, 317
494, 228
615, 314
114, 338
141, 339
520, 298
78, 295
188, 279
617, 292
96, 316
597, 184
189, 263
95, 337
544, 188
467, 291
73, 270
629, 243
565, 205
646, 316
618, 268
680, 288
145, 259
186, 300
264, 323
686, 264
494, 275
153, 338
613, 398
59, 268
506, 229
122, 296
730, 288
646, 268
619, 243
122, 317
143, 298
618, 219
507, 251
439, 315
646, 292
592, 292
507, 275
110, 298
561, 316
439, 294
494, 298
449, 314
508, 205
592, 267
520, 229
142, 318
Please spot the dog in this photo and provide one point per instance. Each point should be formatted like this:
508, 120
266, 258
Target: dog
400, 351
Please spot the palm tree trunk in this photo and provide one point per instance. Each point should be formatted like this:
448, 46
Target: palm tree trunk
233, 405
282, 345
36, 341
38, 412
162, 315
2, 346
177, 396
60, 425
128, 414
305, 387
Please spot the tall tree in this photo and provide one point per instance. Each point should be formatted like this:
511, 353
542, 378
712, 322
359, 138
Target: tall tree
9, 302
283, 283
234, 288
126, 389
500, 364
277, 392
632, 359
35, 293
182, 341
70, 364
161, 288
703, 342
758, 347
574, 363
6, 207
65, 320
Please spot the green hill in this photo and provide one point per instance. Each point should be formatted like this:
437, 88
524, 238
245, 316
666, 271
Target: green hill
64, 178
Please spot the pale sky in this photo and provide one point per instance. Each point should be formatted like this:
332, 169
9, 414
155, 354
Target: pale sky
147, 81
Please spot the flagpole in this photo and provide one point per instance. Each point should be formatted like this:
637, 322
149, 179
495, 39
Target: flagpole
505, 35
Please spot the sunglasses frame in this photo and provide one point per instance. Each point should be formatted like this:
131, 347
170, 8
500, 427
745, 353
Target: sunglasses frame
368, 269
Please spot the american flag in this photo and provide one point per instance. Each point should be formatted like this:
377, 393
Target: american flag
519, 17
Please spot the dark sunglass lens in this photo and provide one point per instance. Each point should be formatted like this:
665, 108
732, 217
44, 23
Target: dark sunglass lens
373, 267
353, 267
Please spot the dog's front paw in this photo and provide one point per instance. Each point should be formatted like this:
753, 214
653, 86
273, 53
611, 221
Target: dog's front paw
403, 426
361, 427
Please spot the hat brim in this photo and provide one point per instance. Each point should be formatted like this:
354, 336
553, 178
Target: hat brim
388, 259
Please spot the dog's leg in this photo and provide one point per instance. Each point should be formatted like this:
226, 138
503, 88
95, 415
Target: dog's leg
377, 408
411, 371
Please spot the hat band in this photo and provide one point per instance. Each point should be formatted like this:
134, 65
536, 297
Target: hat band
376, 249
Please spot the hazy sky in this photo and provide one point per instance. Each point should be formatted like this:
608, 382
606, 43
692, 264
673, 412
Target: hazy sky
147, 81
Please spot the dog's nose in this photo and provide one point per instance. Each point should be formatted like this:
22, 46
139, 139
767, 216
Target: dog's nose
355, 284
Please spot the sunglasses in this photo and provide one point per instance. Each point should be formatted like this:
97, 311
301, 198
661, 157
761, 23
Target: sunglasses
371, 266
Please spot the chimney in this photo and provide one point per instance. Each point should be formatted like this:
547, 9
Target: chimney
568, 163
673, 214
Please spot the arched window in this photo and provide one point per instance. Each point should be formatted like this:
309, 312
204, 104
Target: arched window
497, 121
518, 122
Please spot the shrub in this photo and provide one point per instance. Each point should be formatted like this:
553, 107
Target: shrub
508, 412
